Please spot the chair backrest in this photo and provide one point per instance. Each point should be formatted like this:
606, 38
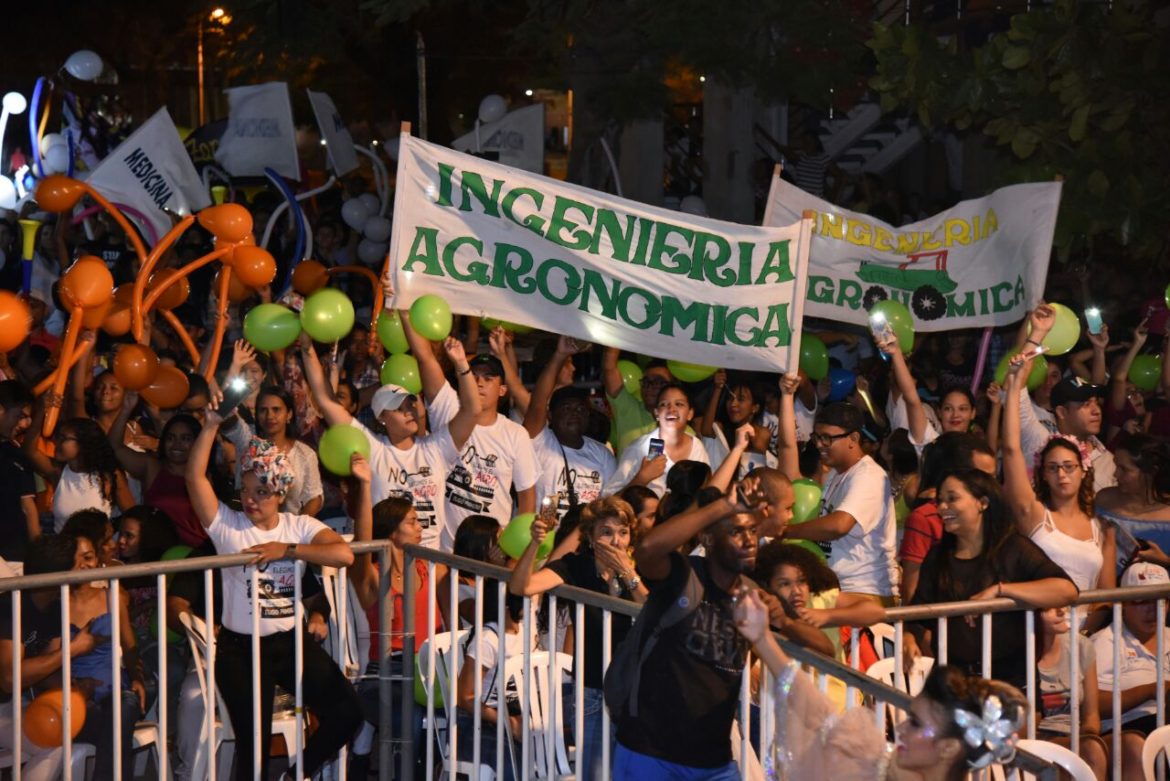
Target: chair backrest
545, 710
1157, 742
345, 644
197, 638
884, 670
883, 640
448, 659
1060, 756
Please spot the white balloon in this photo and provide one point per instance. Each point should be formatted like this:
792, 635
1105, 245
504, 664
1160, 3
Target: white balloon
371, 252
371, 201
14, 103
84, 64
492, 108
693, 204
377, 228
7, 193
50, 140
58, 158
355, 213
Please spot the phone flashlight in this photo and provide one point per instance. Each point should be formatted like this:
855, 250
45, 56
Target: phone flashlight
1093, 319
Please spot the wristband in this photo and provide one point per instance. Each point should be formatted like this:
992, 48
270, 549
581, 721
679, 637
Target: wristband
1032, 341
463, 373
291, 551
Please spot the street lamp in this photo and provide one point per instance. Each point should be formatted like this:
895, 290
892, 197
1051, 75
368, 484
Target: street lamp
221, 18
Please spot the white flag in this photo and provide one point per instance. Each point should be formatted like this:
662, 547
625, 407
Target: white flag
338, 142
260, 132
980, 263
151, 171
518, 138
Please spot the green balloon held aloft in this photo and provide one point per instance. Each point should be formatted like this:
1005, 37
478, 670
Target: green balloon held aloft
807, 504
814, 357
327, 315
1145, 371
1035, 377
337, 446
271, 327
401, 370
1065, 333
898, 317
430, 317
690, 372
631, 377
390, 333
517, 536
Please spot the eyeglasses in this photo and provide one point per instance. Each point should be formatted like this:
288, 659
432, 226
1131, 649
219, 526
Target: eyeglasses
1056, 469
828, 439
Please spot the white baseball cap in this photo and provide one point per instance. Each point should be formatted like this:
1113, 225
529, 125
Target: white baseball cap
1143, 573
389, 397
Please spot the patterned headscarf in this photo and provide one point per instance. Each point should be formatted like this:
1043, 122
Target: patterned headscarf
269, 464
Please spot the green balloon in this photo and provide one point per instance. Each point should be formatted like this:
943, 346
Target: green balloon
809, 545
1035, 377
899, 319
807, 504
631, 377
337, 446
430, 316
517, 536
401, 369
491, 323
1145, 371
176, 552
690, 372
271, 327
1065, 333
814, 357
390, 333
327, 315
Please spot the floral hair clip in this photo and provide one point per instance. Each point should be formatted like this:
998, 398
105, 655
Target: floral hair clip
992, 731
271, 467
1083, 448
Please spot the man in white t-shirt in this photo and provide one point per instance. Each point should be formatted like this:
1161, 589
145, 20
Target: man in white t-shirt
402, 462
857, 524
573, 468
498, 455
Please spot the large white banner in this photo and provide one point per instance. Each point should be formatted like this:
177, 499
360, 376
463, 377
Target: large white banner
495, 241
518, 138
151, 171
338, 142
980, 263
260, 132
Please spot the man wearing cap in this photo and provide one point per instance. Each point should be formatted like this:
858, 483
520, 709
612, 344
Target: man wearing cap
498, 455
1076, 406
573, 467
1137, 675
403, 463
857, 523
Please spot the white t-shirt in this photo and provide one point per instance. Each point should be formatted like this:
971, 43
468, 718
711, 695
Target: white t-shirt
590, 467
417, 473
1138, 666
495, 458
231, 532
77, 491
864, 559
306, 484
631, 462
489, 644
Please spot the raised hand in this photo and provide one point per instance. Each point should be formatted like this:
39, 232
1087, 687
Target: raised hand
242, 354
360, 468
454, 349
748, 495
789, 384
743, 436
1042, 318
498, 341
751, 617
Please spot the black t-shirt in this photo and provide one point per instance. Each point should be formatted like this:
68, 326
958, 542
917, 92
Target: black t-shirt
38, 627
16, 482
119, 258
1019, 560
580, 570
690, 683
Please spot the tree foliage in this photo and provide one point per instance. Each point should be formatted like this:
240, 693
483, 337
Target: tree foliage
1078, 90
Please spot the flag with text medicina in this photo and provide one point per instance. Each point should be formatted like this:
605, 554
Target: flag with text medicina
504, 243
981, 263
260, 132
151, 171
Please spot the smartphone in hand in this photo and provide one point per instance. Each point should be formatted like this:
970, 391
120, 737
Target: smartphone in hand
657, 447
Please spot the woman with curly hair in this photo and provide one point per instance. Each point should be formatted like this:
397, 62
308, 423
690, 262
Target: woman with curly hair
82, 471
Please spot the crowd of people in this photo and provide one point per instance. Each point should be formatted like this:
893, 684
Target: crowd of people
937, 485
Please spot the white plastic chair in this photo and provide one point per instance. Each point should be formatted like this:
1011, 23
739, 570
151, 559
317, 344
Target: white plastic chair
349, 648
283, 725
883, 639
448, 657
885, 671
1157, 742
83, 757
542, 716
1060, 756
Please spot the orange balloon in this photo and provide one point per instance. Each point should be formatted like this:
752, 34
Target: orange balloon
118, 319
56, 699
168, 389
309, 276
15, 321
87, 283
175, 295
94, 316
227, 222
58, 193
237, 291
42, 724
135, 366
253, 266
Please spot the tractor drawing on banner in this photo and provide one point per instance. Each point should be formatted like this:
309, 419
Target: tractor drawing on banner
928, 287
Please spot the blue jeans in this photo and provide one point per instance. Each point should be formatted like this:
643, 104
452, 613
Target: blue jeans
590, 744
632, 766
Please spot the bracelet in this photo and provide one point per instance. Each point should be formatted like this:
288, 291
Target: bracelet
290, 551
463, 373
1032, 341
